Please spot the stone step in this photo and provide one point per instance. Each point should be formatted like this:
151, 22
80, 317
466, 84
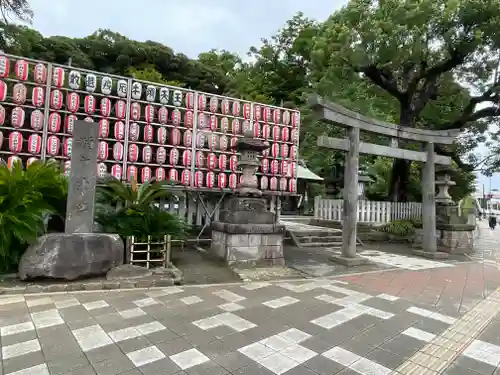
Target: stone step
308, 239
316, 233
335, 245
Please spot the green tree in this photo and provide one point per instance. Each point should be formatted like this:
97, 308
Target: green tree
17, 9
414, 51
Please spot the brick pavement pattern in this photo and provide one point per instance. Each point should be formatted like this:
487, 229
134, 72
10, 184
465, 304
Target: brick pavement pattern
296, 328
451, 287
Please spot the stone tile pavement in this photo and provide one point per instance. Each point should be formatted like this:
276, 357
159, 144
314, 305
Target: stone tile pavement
324, 326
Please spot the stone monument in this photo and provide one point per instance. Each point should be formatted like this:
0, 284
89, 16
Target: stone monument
78, 252
247, 234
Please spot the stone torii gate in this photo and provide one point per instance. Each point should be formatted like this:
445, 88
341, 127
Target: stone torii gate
354, 122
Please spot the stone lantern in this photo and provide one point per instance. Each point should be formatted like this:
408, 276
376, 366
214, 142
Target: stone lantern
443, 183
447, 211
250, 149
247, 233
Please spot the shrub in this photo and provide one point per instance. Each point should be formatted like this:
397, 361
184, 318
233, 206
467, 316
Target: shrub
400, 228
27, 197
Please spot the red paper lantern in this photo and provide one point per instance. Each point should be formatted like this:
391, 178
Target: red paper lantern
135, 111
198, 179
173, 175
103, 128
146, 174
105, 107
149, 113
53, 145
222, 180
36, 120
210, 180
118, 151
186, 158
174, 156
89, 104
69, 123
186, 177
133, 132
19, 92
116, 171
161, 155
102, 150
257, 112
40, 73
58, 76
147, 154
133, 153
34, 144
120, 109
188, 138
163, 115
211, 161
54, 124
161, 135
38, 96
119, 131
188, 119
149, 133
160, 174
222, 162
276, 116
247, 110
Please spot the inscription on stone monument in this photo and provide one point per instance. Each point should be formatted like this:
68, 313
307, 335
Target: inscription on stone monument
83, 177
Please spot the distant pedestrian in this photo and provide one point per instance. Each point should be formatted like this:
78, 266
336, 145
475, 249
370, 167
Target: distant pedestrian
493, 221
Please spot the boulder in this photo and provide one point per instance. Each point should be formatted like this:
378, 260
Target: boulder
71, 256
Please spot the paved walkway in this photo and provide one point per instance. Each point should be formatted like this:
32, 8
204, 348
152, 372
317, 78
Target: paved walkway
416, 318
295, 328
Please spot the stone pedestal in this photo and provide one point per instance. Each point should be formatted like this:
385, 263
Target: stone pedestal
456, 238
249, 245
450, 239
247, 235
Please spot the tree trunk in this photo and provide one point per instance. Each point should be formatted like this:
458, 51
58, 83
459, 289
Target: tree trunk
398, 188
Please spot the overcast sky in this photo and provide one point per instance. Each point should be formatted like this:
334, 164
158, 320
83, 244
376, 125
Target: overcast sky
187, 26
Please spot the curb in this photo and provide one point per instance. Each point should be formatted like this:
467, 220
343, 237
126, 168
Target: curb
144, 283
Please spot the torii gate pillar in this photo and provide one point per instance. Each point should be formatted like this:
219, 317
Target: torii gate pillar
429, 235
350, 211
348, 256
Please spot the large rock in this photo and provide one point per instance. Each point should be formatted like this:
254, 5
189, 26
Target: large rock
71, 256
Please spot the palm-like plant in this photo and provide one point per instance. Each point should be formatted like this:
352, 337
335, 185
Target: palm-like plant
26, 198
114, 192
129, 210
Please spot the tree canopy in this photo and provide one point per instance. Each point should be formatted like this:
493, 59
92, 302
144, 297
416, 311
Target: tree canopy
16, 9
424, 63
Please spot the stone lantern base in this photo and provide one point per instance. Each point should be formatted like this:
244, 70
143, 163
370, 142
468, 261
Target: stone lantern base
247, 235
